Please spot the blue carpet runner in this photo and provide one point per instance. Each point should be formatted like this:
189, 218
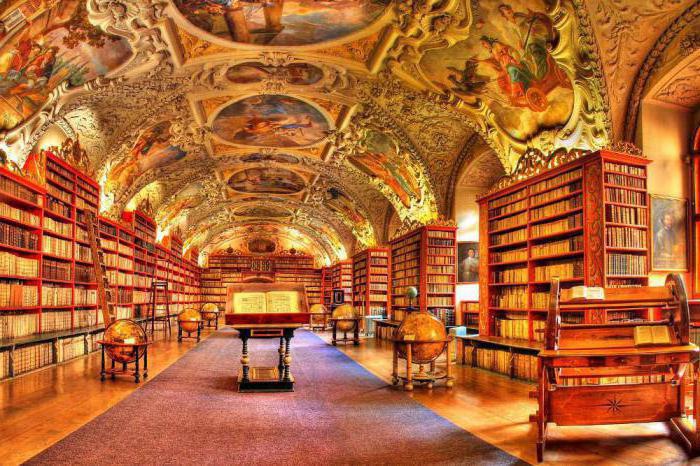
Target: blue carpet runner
339, 414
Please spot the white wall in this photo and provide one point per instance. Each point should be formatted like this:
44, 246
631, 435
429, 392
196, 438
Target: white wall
466, 212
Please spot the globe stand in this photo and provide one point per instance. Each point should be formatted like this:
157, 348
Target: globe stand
355, 331
189, 327
428, 377
211, 316
136, 348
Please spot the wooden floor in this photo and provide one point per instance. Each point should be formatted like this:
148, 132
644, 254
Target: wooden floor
39, 409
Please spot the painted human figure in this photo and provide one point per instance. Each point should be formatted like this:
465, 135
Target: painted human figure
666, 237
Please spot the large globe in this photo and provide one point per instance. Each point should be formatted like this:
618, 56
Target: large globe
124, 331
344, 311
210, 311
317, 311
422, 327
189, 320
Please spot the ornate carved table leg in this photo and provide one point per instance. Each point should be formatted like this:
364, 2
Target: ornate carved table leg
145, 363
137, 375
356, 334
335, 333
280, 365
409, 368
395, 365
245, 360
102, 372
288, 334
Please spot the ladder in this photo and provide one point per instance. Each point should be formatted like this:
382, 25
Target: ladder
153, 317
104, 292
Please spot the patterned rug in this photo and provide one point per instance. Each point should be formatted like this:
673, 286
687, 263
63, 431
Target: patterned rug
339, 414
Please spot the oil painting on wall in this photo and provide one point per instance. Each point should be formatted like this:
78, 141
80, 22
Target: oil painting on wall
382, 160
281, 22
507, 63
266, 181
299, 74
271, 121
468, 260
151, 150
669, 226
54, 44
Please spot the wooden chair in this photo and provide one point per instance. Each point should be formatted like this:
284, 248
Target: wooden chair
591, 374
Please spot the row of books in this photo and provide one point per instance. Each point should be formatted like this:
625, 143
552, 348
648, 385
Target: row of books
508, 237
447, 316
29, 358
624, 316
15, 189
519, 328
439, 260
523, 366
620, 380
621, 237
627, 169
70, 348
507, 199
59, 193
440, 279
18, 325
441, 234
509, 275
60, 228
565, 269
628, 215
554, 194
20, 215
626, 264
56, 296
55, 321
377, 270
440, 288
18, 237
16, 294
441, 251
83, 273
556, 208
508, 222
622, 180
514, 297
57, 247
86, 296
13, 265
440, 269
540, 299
625, 196
557, 226
59, 207
508, 209
440, 301
441, 242
563, 246
508, 256
556, 181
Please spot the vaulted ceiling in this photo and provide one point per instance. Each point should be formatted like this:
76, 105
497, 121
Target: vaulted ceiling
321, 125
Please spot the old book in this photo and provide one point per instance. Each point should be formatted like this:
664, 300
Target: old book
645, 335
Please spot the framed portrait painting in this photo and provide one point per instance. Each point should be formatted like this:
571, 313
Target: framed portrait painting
669, 234
468, 262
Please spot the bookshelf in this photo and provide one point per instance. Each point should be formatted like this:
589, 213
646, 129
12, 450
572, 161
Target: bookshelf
327, 287
469, 315
341, 280
585, 221
427, 259
370, 282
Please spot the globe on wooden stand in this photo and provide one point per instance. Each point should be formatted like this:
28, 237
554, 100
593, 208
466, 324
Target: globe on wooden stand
420, 339
319, 317
124, 342
210, 313
189, 321
345, 319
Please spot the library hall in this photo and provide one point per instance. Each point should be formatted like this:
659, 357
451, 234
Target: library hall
349, 232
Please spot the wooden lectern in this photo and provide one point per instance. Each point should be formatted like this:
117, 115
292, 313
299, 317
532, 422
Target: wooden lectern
268, 310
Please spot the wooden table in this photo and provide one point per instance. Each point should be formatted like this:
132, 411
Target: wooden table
267, 379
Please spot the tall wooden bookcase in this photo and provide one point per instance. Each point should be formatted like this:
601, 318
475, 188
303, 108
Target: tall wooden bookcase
327, 287
341, 279
585, 221
427, 259
370, 281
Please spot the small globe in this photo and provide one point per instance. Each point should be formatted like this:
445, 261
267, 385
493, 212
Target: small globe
189, 320
411, 292
124, 331
210, 311
344, 311
423, 327
317, 311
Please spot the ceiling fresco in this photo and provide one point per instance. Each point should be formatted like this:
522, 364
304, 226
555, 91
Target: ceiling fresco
327, 125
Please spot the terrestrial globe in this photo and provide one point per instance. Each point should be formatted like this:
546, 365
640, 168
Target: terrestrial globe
210, 311
427, 330
344, 311
189, 320
124, 331
317, 311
